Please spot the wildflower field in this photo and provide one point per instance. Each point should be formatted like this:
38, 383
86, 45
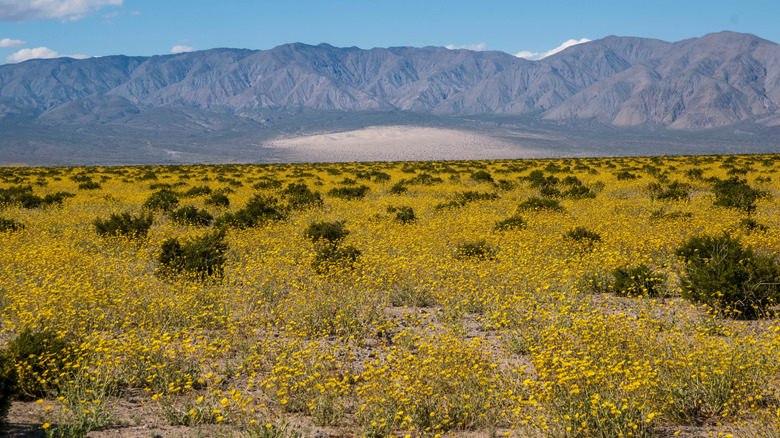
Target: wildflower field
532, 298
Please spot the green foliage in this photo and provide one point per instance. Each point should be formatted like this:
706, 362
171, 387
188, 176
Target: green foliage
638, 280
747, 223
190, 215
349, 193
425, 179
218, 199
197, 191
578, 192
165, 200
200, 258
663, 215
482, 176
403, 214
535, 203
39, 357
299, 196
467, 197
10, 225
515, 222
89, 185
721, 273
582, 235
26, 199
331, 257
479, 250
124, 224
398, 188
624, 175
258, 210
736, 193
537, 179
674, 191
328, 232
8, 386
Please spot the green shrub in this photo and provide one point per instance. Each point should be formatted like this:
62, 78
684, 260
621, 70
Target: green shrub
515, 222
165, 200
200, 258
478, 250
197, 191
10, 225
736, 193
333, 257
39, 358
505, 184
190, 215
8, 387
258, 210
7, 196
425, 179
467, 197
537, 179
328, 232
218, 199
624, 175
30, 200
124, 224
482, 176
299, 196
674, 191
549, 192
349, 193
582, 235
747, 223
535, 203
89, 185
398, 188
721, 273
403, 214
638, 280
578, 192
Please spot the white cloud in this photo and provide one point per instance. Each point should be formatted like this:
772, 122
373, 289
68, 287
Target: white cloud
536, 55
39, 53
135, 13
182, 49
64, 10
8, 42
477, 47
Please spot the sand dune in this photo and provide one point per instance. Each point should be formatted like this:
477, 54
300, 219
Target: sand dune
394, 143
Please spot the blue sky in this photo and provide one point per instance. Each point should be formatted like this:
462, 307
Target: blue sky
49, 28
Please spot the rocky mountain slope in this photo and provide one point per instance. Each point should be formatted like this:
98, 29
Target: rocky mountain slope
716, 80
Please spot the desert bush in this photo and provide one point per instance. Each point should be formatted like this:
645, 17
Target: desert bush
515, 222
736, 193
425, 179
39, 357
10, 225
89, 185
403, 214
695, 174
467, 197
259, 209
578, 192
747, 223
479, 250
674, 191
482, 176
299, 196
200, 258
582, 235
349, 193
537, 179
326, 232
190, 215
505, 184
124, 224
8, 386
624, 175
29, 200
721, 273
165, 200
8, 195
197, 191
218, 199
638, 280
549, 192
331, 257
535, 203
398, 188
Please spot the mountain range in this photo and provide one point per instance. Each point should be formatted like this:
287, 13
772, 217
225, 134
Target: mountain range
720, 82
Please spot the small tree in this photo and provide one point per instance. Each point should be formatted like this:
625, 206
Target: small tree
722, 274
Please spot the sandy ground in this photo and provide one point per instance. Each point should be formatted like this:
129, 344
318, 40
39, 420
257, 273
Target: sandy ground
400, 143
